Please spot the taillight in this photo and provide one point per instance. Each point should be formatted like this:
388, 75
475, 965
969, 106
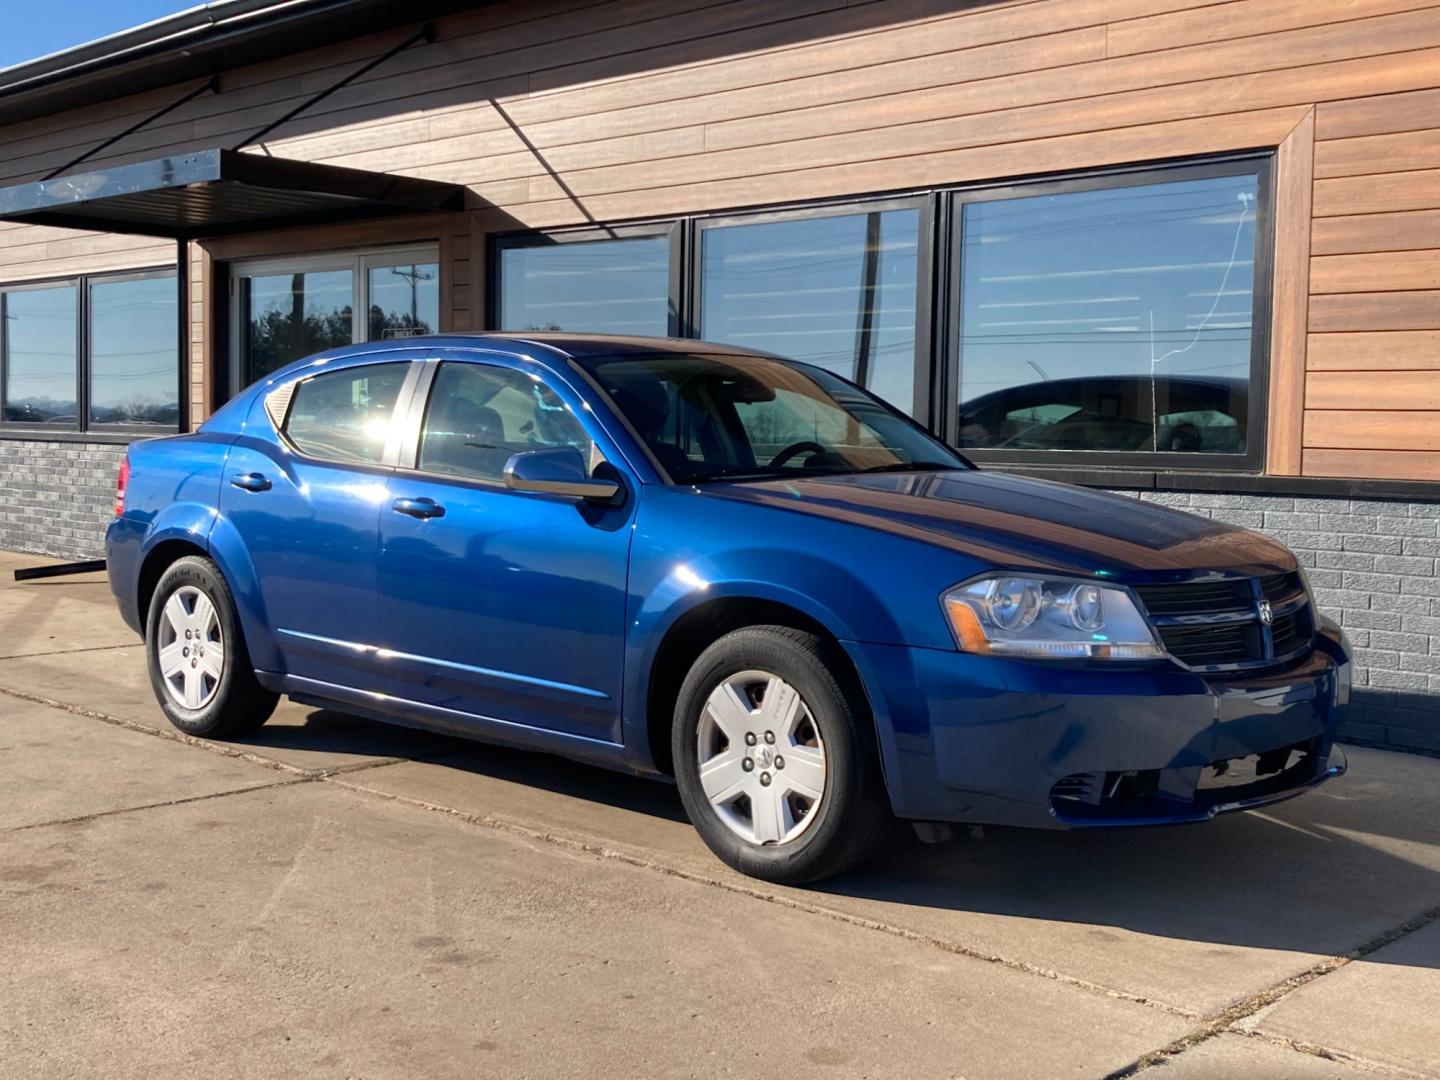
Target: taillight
120, 482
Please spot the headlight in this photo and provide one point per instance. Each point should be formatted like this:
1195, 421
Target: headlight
1049, 619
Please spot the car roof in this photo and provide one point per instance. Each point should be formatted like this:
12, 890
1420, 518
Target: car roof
543, 348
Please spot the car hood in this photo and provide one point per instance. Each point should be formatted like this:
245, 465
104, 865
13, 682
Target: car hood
1015, 522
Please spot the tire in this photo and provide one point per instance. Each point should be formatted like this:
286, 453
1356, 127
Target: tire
205, 684
758, 817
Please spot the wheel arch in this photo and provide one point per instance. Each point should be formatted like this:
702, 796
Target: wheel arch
157, 559
221, 544
705, 623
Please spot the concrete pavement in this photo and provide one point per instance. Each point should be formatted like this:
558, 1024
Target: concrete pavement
339, 898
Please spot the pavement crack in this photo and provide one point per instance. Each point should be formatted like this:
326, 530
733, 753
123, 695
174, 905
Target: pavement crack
1227, 1018
222, 749
79, 818
172, 734
67, 652
757, 892
1330, 1054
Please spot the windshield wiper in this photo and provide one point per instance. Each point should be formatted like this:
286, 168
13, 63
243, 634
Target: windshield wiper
911, 466
804, 474
757, 474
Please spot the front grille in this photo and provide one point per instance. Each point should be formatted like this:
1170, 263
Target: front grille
1278, 588
1200, 598
1217, 624
1291, 632
1205, 646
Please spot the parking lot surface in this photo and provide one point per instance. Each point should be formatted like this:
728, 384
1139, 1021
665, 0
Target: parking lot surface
334, 897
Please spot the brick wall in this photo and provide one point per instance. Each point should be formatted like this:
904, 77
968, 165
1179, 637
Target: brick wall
56, 497
1373, 565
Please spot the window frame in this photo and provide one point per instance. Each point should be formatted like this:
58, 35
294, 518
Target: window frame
82, 426
1260, 165
359, 263
921, 390
673, 230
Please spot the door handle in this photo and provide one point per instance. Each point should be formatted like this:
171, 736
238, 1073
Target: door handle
251, 481
418, 508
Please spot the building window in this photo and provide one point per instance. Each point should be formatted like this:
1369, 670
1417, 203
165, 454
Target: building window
91, 354
134, 345
42, 355
1117, 318
614, 284
286, 316
839, 290
1113, 316
287, 309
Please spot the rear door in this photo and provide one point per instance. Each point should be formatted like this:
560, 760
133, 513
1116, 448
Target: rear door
306, 500
496, 603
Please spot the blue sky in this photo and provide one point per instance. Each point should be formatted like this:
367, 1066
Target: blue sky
33, 29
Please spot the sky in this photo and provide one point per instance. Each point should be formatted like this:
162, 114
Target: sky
34, 28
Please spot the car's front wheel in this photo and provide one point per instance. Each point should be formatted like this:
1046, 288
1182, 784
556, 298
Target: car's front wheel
774, 757
199, 667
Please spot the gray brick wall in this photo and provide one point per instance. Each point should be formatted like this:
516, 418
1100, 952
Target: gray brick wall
56, 497
1375, 568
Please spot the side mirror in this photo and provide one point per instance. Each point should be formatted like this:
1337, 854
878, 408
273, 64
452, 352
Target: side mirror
559, 471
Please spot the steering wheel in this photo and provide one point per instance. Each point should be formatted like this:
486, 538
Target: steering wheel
803, 447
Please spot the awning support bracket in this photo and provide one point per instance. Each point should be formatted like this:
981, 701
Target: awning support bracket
425, 34
211, 86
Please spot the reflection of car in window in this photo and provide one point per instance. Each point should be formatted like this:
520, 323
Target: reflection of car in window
1171, 414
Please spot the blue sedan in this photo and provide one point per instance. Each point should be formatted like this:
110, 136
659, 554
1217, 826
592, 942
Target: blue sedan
686, 560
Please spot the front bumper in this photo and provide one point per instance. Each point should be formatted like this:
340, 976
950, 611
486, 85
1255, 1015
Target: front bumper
989, 740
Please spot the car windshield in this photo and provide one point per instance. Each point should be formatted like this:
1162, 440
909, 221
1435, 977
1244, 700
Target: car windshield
735, 417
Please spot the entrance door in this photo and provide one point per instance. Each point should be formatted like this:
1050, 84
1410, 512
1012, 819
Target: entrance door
496, 603
287, 309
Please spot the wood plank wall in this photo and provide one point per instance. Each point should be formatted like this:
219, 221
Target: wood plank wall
571, 111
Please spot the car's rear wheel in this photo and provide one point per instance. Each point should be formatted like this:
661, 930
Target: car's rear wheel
199, 667
774, 757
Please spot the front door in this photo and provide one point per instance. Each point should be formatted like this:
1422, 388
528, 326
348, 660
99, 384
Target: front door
496, 603
307, 506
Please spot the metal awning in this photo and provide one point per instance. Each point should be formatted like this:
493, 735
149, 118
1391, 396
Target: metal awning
219, 192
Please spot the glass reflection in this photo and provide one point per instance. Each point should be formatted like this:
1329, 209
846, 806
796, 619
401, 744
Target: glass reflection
134, 352
290, 316
1116, 319
838, 292
40, 355
596, 286
404, 301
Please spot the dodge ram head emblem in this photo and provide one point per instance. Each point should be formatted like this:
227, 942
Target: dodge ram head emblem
1267, 613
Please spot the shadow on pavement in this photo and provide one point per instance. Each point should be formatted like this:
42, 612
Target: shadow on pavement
1301, 876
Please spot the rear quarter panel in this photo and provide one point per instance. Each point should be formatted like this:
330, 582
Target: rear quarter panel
172, 494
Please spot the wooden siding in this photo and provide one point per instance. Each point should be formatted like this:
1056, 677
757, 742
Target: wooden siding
570, 112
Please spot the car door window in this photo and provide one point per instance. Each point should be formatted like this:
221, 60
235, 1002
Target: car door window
346, 415
478, 415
